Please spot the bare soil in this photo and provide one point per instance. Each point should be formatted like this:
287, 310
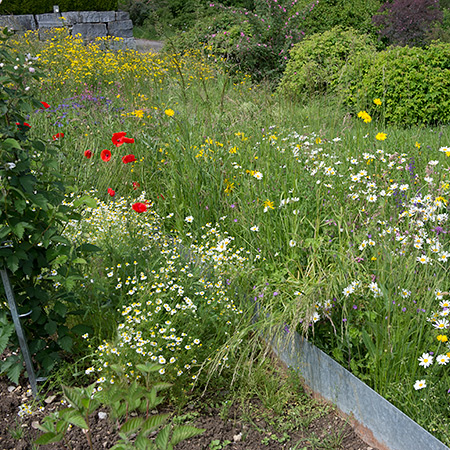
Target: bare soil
305, 424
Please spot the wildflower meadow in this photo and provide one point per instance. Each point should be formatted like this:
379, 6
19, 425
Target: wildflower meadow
193, 194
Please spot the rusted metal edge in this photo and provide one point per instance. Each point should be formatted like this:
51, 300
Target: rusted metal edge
377, 421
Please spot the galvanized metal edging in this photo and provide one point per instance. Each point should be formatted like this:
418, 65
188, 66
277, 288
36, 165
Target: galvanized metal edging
384, 425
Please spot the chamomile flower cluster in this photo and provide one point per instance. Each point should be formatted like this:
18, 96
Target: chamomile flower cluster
160, 318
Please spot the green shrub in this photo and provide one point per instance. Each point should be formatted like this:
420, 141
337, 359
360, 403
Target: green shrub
46, 6
317, 64
328, 14
413, 83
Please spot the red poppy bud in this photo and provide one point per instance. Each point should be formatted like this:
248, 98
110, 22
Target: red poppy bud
111, 192
105, 155
136, 185
45, 105
22, 125
140, 207
128, 158
88, 154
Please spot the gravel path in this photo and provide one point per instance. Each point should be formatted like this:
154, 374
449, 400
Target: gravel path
144, 46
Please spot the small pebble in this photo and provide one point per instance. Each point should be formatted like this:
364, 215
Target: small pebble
102, 415
237, 437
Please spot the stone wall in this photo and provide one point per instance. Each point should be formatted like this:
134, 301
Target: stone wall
90, 24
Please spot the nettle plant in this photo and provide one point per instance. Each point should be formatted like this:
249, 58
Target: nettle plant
32, 250
260, 44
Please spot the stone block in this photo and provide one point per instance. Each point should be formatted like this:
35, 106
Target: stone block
50, 20
97, 16
121, 28
122, 15
72, 17
89, 31
18, 23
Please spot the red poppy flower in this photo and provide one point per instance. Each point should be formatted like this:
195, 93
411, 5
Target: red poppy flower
136, 185
140, 207
58, 136
45, 105
111, 192
119, 138
128, 158
88, 154
23, 125
105, 155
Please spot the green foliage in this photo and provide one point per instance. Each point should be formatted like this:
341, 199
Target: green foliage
46, 6
31, 215
122, 399
318, 63
413, 84
356, 14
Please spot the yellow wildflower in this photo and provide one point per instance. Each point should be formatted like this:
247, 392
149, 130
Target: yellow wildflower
365, 116
169, 112
381, 136
377, 101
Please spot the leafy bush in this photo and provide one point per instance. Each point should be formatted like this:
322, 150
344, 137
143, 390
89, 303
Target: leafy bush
32, 249
413, 82
318, 62
406, 22
328, 14
257, 41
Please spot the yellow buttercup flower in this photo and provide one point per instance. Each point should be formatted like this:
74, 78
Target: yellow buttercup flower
169, 112
377, 101
442, 338
381, 136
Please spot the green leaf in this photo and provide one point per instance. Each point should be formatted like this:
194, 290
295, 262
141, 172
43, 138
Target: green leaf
38, 145
48, 438
77, 419
147, 368
88, 248
73, 395
162, 439
154, 422
11, 143
28, 182
19, 228
131, 425
14, 372
5, 332
65, 343
12, 263
86, 200
50, 327
4, 231
184, 432
161, 386
60, 308
142, 443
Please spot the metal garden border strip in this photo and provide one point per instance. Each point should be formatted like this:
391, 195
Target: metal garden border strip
376, 419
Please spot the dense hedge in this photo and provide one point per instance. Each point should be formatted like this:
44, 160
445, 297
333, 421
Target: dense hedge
46, 6
318, 63
412, 82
